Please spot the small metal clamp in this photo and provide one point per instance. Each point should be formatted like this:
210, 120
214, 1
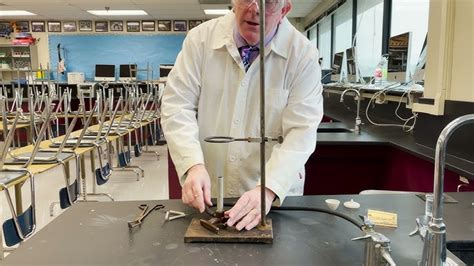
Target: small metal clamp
172, 215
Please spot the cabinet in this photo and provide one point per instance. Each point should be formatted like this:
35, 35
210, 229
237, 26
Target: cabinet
16, 61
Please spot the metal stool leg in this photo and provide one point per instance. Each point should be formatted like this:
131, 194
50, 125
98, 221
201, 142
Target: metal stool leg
94, 193
124, 163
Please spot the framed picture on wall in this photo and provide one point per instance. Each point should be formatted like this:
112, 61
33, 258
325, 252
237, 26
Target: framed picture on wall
164, 25
101, 26
23, 26
180, 25
116, 25
54, 26
5, 26
194, 23
69, 26
148, 25
133, 26
85, 25
37, 26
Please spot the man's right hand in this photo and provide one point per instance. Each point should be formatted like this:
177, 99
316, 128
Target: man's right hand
196, 191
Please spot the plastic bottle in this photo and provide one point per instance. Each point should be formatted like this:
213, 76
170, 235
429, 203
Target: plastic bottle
380, 73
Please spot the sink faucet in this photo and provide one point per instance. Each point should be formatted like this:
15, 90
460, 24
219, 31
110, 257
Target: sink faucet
358, 121
434, 246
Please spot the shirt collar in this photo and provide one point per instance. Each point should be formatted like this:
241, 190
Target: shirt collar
240, 41
280, 43
223, 36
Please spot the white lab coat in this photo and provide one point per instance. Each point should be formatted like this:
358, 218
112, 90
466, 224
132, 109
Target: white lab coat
208, 93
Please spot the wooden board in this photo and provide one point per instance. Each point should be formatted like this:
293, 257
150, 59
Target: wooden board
197, 233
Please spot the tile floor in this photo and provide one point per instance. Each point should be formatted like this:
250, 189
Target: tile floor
122, 186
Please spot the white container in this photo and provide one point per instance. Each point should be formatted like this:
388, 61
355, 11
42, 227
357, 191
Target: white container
332, 203
75, 78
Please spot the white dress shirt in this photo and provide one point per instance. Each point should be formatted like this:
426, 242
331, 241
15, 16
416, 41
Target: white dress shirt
208, 93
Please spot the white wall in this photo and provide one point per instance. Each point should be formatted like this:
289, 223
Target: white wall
42, 46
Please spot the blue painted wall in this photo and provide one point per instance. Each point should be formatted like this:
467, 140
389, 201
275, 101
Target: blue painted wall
83, 52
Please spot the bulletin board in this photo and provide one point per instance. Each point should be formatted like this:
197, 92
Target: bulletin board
82, 52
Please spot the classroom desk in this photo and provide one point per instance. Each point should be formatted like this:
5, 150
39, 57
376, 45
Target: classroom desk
96, 233
18, 126
41, 168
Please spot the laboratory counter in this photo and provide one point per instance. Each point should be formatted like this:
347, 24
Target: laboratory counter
394, 137
96, 233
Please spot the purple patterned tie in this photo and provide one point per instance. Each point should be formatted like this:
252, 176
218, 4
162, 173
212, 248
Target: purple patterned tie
247, 53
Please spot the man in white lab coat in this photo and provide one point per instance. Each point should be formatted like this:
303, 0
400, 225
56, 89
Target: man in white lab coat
213, 90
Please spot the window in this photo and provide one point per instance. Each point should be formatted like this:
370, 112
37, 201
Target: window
343, 30
369, 35
411, 16
313, 35
325, 42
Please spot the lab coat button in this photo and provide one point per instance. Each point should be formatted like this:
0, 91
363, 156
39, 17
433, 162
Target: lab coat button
232, 158
236, 121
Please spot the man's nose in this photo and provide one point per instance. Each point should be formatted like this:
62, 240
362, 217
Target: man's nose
254, 7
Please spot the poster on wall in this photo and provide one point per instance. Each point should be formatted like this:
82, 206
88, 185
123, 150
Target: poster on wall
5, 27
37, 26
133, 26
164, 25
54, 26
148, 25
180, 25
69, 26
23, 26
194, 23
116, 25
85, 25
101, 26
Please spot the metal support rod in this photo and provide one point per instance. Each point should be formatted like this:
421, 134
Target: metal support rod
32, 115
93, 169
83, 177
66, 109
18, 198
220, 195
261, 6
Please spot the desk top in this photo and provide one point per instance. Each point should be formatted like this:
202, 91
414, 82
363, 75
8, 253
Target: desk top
392, 87
97, 233
18, 126
40, 168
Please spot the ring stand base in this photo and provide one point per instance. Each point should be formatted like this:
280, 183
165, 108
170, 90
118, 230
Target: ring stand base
197, 233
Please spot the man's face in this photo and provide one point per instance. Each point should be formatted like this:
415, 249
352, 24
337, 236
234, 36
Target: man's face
247, 16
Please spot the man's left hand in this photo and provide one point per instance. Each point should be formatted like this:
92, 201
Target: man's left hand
246, 212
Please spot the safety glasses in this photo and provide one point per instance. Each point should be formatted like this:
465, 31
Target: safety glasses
271, 6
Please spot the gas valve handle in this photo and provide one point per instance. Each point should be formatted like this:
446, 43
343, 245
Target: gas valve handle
363, 238
388, 258
419, 230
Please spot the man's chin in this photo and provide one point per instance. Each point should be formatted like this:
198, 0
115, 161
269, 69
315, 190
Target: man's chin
251, 39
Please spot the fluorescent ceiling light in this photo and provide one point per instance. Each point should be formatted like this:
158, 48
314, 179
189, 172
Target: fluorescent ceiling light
118, 12
216, 11
16, 13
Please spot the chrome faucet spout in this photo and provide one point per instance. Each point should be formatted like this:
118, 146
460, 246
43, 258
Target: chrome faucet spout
358, 121
434, 248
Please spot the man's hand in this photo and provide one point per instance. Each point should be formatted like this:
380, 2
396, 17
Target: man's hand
196, 191
246, 212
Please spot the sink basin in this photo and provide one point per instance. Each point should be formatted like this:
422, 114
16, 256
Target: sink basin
464, 250
334, 130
